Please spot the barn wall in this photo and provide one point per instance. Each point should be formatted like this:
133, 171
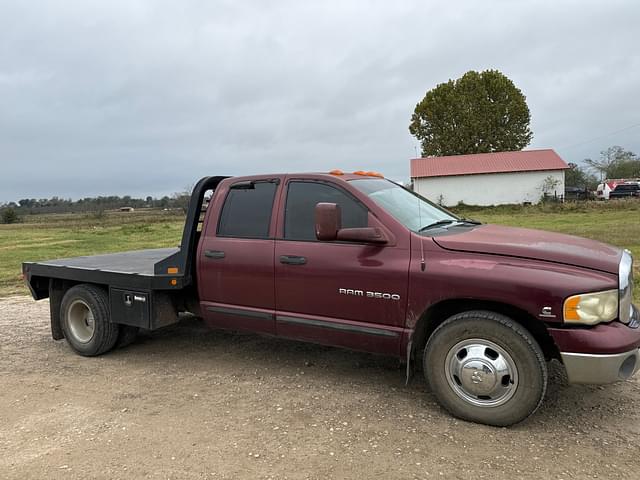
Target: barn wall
488, 189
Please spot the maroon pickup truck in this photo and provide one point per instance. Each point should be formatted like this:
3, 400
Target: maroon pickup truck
357, 261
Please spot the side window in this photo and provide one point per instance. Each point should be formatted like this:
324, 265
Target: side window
302, 197
247, 210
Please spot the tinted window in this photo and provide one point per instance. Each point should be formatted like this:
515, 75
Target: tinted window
247, 210
302, 197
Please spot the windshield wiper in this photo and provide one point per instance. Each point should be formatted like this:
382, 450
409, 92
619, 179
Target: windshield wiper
436, 224
448, 222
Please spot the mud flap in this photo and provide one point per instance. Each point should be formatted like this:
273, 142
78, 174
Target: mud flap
409, 372
56, 292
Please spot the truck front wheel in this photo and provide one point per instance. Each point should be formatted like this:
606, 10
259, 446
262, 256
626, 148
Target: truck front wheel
84, 315
485, 368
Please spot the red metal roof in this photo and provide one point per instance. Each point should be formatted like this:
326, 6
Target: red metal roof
498, 162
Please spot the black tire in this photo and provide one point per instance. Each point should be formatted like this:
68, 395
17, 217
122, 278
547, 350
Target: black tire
94, 334
484, 367
126, 336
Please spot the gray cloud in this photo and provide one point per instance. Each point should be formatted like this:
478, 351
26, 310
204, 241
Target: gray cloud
144, 97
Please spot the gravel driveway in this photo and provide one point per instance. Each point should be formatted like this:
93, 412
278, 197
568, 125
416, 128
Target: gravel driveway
191, 403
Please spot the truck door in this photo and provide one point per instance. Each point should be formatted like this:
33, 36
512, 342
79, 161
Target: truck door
337, 293
235, 258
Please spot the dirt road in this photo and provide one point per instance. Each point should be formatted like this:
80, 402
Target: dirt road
197, 404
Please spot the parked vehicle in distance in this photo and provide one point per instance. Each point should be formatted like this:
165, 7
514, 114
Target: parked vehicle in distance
577, 193
625, 190
604, 189
357, 261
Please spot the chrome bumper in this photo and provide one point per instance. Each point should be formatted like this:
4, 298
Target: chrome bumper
598, 369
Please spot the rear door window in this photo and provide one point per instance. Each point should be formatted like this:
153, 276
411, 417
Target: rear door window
247, 210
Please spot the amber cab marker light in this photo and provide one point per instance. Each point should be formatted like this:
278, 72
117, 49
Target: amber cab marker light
172, 270
368, 174
336, 172
174, 282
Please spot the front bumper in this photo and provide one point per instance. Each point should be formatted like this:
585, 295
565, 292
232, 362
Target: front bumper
605, 353
600, 368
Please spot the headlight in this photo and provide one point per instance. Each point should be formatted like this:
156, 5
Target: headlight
591, 308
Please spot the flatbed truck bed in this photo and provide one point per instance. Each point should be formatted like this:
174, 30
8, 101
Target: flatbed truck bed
132, 269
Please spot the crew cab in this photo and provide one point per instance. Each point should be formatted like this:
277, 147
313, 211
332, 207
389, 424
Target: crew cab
358, 261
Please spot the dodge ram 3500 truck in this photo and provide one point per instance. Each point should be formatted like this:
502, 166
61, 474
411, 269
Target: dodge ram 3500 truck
357, 261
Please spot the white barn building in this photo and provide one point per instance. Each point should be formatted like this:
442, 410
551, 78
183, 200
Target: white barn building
489, 178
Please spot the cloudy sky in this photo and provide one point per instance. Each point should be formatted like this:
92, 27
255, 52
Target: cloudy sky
145, 96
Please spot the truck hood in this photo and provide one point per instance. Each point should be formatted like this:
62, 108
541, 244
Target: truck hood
534, 244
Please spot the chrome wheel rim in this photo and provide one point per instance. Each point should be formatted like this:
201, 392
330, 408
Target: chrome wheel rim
81, 322
481, 372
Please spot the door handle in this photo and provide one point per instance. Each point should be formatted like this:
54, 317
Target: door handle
292, 260
216, 254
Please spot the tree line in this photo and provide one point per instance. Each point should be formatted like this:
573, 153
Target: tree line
12, 211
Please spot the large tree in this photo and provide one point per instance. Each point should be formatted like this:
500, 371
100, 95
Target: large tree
616, 162
477, 113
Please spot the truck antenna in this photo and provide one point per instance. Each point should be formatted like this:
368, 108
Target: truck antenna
422, 264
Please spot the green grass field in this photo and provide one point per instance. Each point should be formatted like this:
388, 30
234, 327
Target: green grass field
68, 235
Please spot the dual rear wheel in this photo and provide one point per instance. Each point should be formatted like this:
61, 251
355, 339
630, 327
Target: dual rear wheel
84, 317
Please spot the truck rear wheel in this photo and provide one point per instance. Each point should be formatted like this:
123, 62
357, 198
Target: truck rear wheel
485, 368
84, 315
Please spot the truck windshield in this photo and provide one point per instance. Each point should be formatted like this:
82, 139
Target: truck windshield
413, 211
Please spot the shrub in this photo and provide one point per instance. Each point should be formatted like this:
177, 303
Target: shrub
98, 214
9, 215
629, 204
